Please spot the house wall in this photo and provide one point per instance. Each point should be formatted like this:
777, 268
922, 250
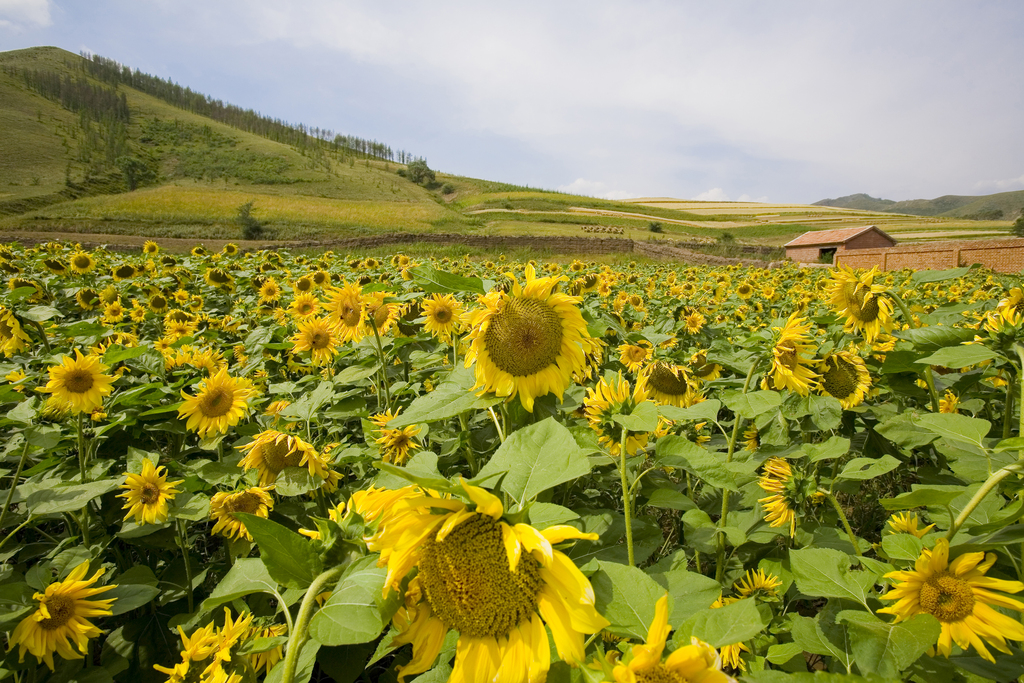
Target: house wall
1004, 255
871, 239
807, 254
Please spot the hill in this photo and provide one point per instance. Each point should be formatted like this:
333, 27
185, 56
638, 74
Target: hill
1004, 205
96, 151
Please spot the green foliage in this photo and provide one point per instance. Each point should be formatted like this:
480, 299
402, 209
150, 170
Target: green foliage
252, 229
1018, 225
655, 226
418, 172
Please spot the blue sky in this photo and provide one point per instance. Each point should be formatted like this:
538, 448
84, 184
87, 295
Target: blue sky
781, 101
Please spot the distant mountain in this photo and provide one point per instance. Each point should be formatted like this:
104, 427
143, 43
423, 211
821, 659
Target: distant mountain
1001, 206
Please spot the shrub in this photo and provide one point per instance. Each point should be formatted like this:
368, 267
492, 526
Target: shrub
252, 229
447, 188
655, 226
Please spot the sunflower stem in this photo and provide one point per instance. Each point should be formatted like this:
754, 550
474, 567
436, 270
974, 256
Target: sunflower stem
82, 453
16, 530
383, 365
979, 495
842, 518
497, 425
929, 378
1008, 409
470, 455
183, 542
298, 636
626, 498
14, 484
42, 335
723, 520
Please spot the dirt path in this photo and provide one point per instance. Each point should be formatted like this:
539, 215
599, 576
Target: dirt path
92, 240
577, 210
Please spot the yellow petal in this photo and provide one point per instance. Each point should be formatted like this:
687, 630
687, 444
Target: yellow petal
486, 502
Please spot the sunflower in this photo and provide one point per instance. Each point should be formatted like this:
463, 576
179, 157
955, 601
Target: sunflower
265, 661
1011, 308
79, 382
496, 583
751, 439
347, 311
269, 291
790, 370
861, 301
669, 384
125, 271
219, 278
318, 336
528, 342
304, 305
207, 654
758, 583
633, 356
147, 494
949, 403
12, 337
906, 523
150, 247
270, 452
844, 376
87, 298
693, 321
55, 265
81, 262
778, 506
230, 249
62, 617
321, 278
396, 444
961, 597
731, 654
442, 313
614, 398
158, 303
113, 313
221, 402
702, 369
254, 500
384, 315
745, 290
695, 662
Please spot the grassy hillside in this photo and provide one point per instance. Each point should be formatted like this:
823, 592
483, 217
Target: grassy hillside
144, 167
1004, 205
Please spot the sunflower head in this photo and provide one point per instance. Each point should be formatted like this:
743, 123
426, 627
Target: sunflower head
147, 494
607, 399
80, 383
669, 384
221, 402
844, 376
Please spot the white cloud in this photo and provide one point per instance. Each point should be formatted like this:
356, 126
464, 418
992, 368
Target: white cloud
715, 194
748, 198
20, 14
594, 188
1002, 185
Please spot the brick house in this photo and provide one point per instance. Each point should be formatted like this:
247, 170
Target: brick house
810, 247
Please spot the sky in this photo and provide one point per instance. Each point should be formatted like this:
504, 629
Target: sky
744, 100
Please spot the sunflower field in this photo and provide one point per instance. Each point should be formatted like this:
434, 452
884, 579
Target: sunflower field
226, 467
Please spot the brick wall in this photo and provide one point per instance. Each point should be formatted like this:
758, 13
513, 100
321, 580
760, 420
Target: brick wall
803, 254
1002, 255
870, 239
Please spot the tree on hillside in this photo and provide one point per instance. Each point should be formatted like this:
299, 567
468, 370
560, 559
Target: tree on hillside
418, 172
1018, 226
252, 229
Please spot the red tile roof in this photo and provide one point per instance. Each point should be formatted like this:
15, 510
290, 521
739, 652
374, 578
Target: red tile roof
838, 236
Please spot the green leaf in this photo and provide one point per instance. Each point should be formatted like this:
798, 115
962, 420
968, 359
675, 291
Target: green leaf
705, 411
887, 649
670, 499
861, 469
295, 481
677, 451
303, 667
956, 427
906, 547
247, 575
434, 281
644, 418
835, 447
447, 400
40, 314
130, 596
931, 339
960, 356
922, 276
752, 404
353, 374
117, 353
826, 573
921, 496
808, 634
691, 593
73, 498
780, 653
309, 405
289, 557
826, 411
193, 508
1015, 443
536, 458
729, 625
352, 615
626, 596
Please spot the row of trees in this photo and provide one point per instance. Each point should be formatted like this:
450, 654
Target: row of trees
298, 135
